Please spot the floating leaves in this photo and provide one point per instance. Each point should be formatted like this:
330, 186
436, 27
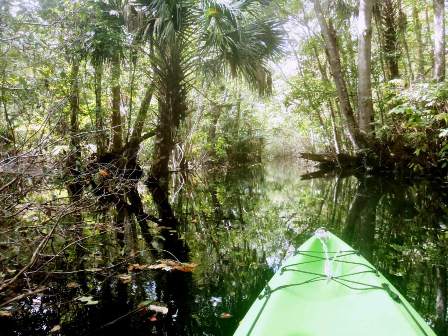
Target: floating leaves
5, 313
55, 329
73, 284
170, 265
166, 265
159, 309
137, 267
225, 315
87, 300
150, 306
103, 173
125, 278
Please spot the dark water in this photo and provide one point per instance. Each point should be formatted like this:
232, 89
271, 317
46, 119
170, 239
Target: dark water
238, 226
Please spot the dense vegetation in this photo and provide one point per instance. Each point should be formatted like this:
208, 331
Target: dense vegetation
378, 92
122, 120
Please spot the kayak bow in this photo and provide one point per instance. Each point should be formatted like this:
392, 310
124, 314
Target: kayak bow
327, 288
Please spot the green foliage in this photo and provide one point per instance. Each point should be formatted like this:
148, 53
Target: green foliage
227, 125
309, 98
105, 36
417, 120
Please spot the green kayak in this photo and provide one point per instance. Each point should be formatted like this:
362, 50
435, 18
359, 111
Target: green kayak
327, 288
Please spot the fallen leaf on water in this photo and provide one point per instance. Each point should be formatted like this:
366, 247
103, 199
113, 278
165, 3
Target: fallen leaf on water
125, 278
169, 265
88, 300
73, 284
137, 267
166, 265
91, 303
56, 328
84, 298
5, 313
151, 305
225, 315
104, 173
159, 309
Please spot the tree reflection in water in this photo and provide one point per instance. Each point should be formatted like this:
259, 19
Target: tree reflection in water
237, 226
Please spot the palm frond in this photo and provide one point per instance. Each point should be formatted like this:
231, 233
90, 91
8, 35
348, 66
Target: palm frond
241, 42
222, 36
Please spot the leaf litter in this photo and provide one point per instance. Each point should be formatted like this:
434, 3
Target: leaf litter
166, 265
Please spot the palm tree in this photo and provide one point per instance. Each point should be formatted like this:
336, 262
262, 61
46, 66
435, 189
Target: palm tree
187, 36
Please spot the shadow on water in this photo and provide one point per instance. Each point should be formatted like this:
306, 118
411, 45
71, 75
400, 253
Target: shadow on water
237, 226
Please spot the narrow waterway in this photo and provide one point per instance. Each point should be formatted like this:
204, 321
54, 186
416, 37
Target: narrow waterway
237, 226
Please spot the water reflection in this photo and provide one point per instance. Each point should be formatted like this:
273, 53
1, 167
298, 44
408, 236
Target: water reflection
238, 225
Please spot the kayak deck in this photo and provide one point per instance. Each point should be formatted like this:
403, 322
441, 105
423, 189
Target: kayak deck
327, 288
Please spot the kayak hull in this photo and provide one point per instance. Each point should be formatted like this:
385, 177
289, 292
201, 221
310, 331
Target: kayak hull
327, 288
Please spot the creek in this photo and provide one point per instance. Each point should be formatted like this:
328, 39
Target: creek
237, 226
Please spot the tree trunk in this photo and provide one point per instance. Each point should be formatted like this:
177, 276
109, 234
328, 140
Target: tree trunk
164, 140
360, 224
428, 36
380, 38
117, 129
364, 67
163, 147
418, 38
133, 145
336, 136
74, 157
74, 104
133, 57
142, 114
136, 206
387, 16
172, 109
349, 50
315, 107
335, 132
441, 300
8, 122
216, 114
403, 22
392, 51
238, 114
439, 40
341, 87
99, 120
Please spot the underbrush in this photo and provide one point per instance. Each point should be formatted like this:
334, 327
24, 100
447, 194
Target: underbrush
414, 130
